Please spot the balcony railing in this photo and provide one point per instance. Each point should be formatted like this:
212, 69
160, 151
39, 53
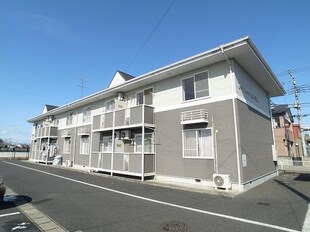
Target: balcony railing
50, 131
124, 117
194, 116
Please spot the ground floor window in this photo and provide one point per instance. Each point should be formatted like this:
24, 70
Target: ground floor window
197, 143
84, 145
148, 145
67, 145
105, 144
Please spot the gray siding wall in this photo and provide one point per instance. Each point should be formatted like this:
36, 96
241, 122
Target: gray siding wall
255, 141
169, 160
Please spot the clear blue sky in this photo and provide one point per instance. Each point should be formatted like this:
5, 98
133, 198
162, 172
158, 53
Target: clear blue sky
46, 47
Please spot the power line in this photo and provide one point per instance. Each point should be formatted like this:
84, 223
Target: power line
150, 35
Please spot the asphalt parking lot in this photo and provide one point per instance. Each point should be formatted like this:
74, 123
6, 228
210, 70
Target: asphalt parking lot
90, 202
11, 217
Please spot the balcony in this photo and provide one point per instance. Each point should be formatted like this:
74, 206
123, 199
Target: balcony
45, 132
124, 118
194, 116
124, 163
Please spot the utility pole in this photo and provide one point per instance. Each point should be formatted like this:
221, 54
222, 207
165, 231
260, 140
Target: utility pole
82, 86
297, 106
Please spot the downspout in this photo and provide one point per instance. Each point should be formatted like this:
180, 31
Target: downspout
75, 134
233, 83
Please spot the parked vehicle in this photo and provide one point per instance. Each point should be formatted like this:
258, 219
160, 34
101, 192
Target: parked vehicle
2, 189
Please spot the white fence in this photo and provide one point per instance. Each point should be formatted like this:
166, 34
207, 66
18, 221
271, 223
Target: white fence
8, 153
289, 164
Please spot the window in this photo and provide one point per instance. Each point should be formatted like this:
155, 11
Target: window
145, 97
69, 118
86, 114
197, 143
105, 144
84, 145
109, 106
139, 98
67, 145
196, 86
148, 145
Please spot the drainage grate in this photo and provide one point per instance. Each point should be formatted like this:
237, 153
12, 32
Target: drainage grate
173, 226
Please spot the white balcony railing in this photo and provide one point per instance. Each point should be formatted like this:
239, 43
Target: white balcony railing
194, 116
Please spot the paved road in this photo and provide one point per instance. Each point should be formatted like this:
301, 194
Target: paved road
86, 202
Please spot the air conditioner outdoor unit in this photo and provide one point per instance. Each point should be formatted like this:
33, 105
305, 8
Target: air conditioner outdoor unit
117, 135
126, 134
222, 181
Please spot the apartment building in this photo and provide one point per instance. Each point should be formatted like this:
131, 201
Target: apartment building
203, 120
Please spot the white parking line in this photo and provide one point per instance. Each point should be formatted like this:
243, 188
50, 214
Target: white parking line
163, 202
306, 226
9, 214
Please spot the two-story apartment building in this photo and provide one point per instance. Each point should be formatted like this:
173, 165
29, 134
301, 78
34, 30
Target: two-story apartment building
204, 120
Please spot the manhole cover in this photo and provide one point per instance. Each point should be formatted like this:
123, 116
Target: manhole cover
173, 226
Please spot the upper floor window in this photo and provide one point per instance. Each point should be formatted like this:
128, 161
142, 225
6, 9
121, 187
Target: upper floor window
69, 118
86, 114
139, 98
108, 106
145, 97
196, 86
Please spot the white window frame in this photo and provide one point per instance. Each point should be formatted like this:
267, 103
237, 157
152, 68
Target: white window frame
65, 151
197, 150
84, 150
86, 115
108, 148
152, 145
193, 76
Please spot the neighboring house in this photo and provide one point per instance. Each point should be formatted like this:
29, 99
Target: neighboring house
204, 115
283, 131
